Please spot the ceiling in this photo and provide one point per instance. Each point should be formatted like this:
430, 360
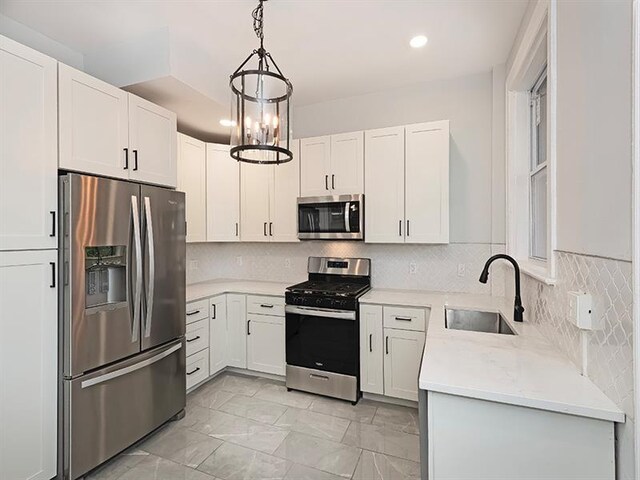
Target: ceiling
328, 48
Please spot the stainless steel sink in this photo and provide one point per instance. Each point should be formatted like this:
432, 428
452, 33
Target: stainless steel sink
475, 321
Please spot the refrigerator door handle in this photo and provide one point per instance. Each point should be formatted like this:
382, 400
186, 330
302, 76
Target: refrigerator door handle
131, 368
152, 266
135, 213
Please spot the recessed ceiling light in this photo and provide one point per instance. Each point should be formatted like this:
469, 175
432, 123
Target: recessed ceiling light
418, 41
227, 123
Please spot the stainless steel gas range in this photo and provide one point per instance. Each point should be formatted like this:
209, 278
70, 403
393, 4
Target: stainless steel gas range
322, 327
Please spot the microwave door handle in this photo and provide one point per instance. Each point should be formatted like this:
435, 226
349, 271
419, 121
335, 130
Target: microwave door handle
137, 247
152, 266
347, 227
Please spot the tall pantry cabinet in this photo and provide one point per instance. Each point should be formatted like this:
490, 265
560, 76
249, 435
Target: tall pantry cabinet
28, 262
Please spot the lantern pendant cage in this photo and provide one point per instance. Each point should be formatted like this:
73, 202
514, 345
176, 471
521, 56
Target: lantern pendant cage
260, 106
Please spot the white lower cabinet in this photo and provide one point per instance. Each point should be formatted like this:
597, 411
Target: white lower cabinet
197, 368
371, 356
265, 343
402, 356
28, 364
390, 357
218, 334
236, 331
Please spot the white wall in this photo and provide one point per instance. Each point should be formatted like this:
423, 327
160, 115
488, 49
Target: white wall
594, 128
466, 102
31, 38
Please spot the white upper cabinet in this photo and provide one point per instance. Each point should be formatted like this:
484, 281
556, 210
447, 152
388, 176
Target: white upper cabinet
427, 182
193, 182
104, 130
223, 195
255, 189
332, 165
315, 166
94, 125
347, 163
284, 197
28, 148
28, 365
152, 140
407, 184
384, 185
269, 201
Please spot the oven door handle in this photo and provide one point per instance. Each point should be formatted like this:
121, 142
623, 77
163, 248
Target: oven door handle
321, 312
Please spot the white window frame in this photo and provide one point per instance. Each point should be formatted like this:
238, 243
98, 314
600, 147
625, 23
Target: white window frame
536, 49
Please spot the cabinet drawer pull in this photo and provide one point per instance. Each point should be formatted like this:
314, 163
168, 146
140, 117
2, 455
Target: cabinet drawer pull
126, 158
386, 343
192, 313
404, 319
53, 224
371, 342
135, 160
193, 371
319, 377
189, 340
53, 274
266, 305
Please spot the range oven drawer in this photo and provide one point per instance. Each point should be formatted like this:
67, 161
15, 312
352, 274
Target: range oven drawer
323, 383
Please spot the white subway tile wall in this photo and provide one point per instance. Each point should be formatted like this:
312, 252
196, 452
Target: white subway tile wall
437, 266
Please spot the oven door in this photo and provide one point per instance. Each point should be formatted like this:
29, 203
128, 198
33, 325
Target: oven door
322, 339
333, 217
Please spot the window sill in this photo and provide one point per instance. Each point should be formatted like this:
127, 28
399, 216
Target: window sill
537, 272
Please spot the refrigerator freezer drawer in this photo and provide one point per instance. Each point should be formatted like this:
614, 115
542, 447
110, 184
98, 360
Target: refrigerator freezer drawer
116, 406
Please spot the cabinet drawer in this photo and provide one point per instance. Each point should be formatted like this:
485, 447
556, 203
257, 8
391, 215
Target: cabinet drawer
404, 318
197, 368
252, 317
197, 310
265, 305
197, 336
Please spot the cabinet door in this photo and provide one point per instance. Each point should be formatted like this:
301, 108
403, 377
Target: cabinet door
384, 185
28, 148
402, 357
284, 196
315, 166
255, 186
94, 125
152, 139
223, 195
427, 182
371, 354
265, 344
236, 331
218, 334
192, 181
347, 163
28, 365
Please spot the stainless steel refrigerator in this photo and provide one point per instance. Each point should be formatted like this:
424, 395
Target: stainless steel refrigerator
122, 316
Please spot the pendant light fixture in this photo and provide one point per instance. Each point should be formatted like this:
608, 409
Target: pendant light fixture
260, 106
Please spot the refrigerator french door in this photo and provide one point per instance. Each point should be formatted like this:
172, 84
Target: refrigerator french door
122, 320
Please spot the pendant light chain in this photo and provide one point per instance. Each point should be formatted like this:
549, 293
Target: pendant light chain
258, 22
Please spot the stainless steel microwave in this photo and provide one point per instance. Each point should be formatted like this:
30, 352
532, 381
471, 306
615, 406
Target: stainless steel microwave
336, 217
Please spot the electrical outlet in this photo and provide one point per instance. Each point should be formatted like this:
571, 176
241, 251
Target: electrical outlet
193, 265
287, 263
462, 269
239, 261
413, 268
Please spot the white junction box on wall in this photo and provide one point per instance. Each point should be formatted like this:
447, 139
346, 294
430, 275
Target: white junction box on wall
580, 310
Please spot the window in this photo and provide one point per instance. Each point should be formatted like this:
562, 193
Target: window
530, 138
538, 169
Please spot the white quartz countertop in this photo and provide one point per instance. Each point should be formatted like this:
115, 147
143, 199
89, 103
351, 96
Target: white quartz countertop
523, 369
198, 291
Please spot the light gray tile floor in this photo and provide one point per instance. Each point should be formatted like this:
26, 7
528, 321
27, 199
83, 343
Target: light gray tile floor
240, 427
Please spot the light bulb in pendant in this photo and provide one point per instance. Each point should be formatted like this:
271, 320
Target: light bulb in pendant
247, 122
275, 121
